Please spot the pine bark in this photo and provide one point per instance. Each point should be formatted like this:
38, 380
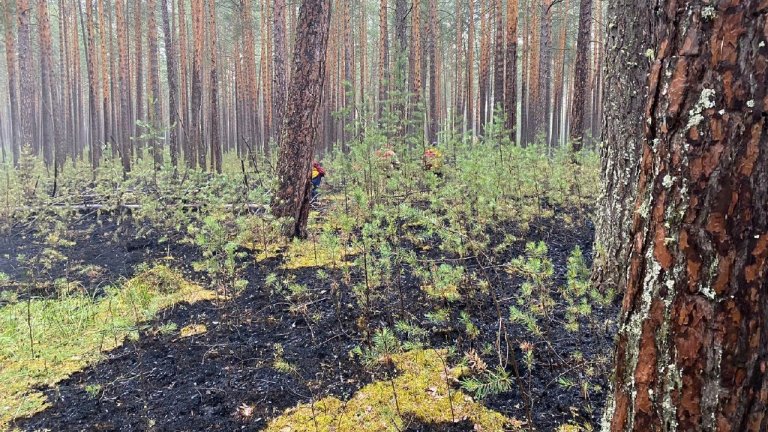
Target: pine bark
498, 62
93, 86
383, 57
627, 67
416, 51
510, 77
214, 116
280, 78
485, 64
581, 75
141, 93
302, 116
106, 103
545, 71
693, 339
27, 118
172, 69
185, 129
434, 110
153, 105
124, 79
13, 81
471, 69
196, 123
49, 119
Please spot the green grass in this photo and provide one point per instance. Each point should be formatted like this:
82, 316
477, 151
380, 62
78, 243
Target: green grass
44, 341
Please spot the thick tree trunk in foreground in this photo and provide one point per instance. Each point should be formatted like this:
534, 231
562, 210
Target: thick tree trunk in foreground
627, 66
302, 116
692, 349
581, 74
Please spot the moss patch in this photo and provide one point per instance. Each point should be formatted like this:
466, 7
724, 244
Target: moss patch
422, 394
44, 341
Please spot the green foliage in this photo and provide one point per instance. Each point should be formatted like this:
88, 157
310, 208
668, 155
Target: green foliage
489, 382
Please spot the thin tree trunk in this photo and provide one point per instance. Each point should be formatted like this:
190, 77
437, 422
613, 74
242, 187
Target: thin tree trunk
216, 152
141, 93
280, 78
300, 125
545, 71
124, 84
27, 118
383, 57
434, 113
95, 148
471, 69
510, 92
196, 124
49, 120
485, 64
498, 63
172, 69
153, 106
185, 124
13, 82
581, 75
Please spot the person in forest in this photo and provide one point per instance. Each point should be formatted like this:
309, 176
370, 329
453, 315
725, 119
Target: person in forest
387, 158
433, 160
318, 172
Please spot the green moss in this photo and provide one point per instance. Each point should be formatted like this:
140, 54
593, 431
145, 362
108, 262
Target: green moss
37, 347
422, 393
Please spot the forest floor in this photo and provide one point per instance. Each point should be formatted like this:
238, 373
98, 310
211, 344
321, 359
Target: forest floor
204, 381
418, 302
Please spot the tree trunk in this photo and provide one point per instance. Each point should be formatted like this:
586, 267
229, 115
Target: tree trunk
13, 81
581, 75
190, 151
434, 112
416, 51
302, 116
172, 69
383, 57
498, 62
27, 120
485, 64
693, 339
124, 84
510, 78
105, 81
153, 106
280, 78
216, 151
557, 111
196, 123
545, 70
471, 68
49, 120
93, 86
141, 94
627, 67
